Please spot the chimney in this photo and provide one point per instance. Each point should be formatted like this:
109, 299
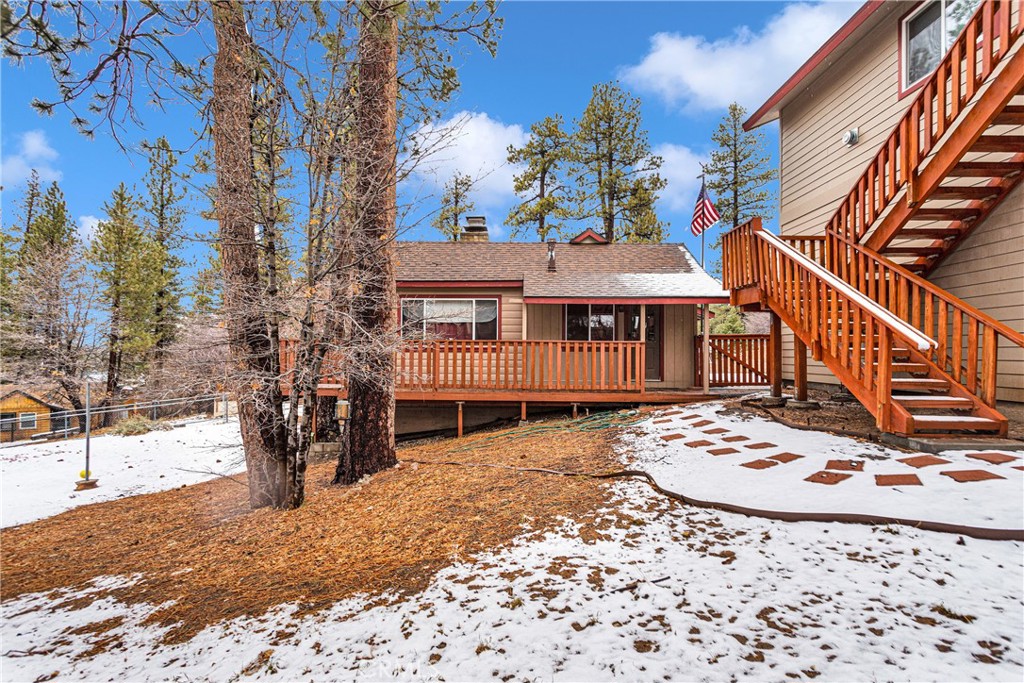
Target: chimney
551, 255
475, 230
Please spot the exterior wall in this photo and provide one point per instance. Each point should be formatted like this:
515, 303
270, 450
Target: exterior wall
20, 404
510, 303
861, 89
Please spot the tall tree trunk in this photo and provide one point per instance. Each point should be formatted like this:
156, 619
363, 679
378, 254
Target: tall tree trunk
256, 386
372, 371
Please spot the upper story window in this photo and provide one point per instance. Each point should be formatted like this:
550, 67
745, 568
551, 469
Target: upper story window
928, 33
450, 318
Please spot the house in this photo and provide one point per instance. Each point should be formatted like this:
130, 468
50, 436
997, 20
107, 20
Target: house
23, 415
503, 327
901, 157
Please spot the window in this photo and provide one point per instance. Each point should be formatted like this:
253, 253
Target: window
928, 34
450, 318
26, 420
59, 421
589, 322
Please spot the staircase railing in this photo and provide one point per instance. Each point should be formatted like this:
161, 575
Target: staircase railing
974, 55
851, 333
967, 339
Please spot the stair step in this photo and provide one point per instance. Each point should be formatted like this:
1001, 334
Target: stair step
1012, 115
964, 192
929, 233
931, 401
985, 169
919, 384
946, 214
913, 251
912, 368
945, 423
999, 143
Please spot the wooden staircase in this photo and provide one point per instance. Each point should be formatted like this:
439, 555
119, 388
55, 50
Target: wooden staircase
923, 361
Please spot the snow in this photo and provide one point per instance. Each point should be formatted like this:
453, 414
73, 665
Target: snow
696, 473
38, 479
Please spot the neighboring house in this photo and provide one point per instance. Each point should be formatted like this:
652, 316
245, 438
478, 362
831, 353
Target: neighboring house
516, 323
901, 156
23, 415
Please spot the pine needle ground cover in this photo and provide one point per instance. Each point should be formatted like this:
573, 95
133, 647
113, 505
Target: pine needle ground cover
205, 557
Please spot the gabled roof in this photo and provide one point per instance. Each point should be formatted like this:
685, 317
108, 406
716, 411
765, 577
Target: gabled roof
582, 271
590, 236
863, 20
29, 396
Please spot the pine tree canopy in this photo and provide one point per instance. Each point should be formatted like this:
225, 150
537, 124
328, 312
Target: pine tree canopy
455, 205
545, 197
739, 171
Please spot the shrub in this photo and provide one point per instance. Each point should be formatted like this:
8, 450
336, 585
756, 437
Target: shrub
134, 425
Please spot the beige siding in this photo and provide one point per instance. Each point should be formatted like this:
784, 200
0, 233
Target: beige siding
510, 303
544, 321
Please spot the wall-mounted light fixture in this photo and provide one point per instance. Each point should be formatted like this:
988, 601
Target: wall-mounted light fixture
851, 137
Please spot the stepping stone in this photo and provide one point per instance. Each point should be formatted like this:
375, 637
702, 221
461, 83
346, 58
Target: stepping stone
923, 461
716, 430
897, 480
827, 478
703, 423
762, 444
670, 413
672, 437
993, 458
722, 451
760, 464
964, 476
785, 457
1018, 467
735, 438
661, 422
692, 416
699, 444
845, 465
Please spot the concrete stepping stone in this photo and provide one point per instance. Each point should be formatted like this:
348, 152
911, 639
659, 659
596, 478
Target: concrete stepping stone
672, 437
670, 413
993, 458
845, 465
964, 476
920, 461
897, 480
691, 416
760, 464
828, 478
703, 423
735, 438
722, 451
699, 444
785, 457
663, 421
716, 430
760, 445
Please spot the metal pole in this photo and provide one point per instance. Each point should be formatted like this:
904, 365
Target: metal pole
225, 406
88, 429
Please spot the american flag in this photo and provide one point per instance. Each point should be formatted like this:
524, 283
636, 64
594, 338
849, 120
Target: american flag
704, 213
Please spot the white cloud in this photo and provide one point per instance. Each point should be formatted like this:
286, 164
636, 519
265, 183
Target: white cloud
681, 172
87, 227
34, 152
473, 144
690, 71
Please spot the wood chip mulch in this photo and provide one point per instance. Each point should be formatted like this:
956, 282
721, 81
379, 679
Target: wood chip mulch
204, 549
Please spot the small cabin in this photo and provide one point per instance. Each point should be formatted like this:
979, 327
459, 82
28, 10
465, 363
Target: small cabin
24, 415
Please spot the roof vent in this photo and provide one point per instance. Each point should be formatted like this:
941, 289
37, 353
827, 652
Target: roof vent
551, 255
475, 230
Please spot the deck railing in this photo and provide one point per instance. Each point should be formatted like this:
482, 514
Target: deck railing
505, 365
972, 58
736, 360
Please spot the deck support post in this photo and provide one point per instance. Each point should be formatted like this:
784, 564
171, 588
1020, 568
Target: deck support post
575, 410
706, 345
522, 411
775, 356
459, 404
800, 369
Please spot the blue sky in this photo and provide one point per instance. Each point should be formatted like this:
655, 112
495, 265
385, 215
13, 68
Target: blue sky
685, 60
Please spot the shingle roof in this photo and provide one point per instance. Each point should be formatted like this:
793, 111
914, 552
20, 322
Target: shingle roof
583, 270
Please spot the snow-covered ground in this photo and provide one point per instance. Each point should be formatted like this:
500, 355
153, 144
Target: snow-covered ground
647, 589
38, 479
697, 472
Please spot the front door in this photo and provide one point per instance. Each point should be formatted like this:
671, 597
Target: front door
653, 351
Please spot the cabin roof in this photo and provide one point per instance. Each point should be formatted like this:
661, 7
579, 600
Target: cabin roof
13, 392
620, 270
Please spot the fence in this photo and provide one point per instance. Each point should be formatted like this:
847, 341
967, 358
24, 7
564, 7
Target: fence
736, 360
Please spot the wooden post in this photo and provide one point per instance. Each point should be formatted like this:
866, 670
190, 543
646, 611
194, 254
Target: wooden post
575, 410
706, 356
800, 368
775, 358
459, 404
522, 411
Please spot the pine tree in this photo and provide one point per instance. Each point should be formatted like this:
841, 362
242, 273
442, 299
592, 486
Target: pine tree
164, 219
739, 170
455, 204
545, 196
128, 265
207, 292
727, 320
617, 176
48, 225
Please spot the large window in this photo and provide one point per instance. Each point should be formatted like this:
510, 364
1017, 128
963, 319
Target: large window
928, 34
590, 322
450, 318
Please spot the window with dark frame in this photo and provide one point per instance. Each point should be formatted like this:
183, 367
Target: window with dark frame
593, 322
928, 33
450, 318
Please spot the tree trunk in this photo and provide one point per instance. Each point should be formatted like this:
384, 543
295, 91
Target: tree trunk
327, 419
371, 370
256, 386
